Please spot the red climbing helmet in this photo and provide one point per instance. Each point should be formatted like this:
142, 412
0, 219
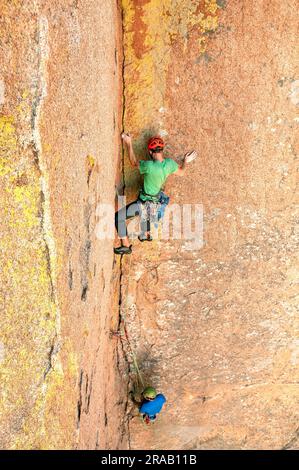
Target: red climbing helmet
155, 144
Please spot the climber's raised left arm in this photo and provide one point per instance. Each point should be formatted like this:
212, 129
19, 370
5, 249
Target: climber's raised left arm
188, 157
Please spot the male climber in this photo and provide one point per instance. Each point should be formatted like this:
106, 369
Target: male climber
151, 405
155, 171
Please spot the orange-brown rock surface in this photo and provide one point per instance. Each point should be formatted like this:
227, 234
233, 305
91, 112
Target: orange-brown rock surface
59, 138
216, 329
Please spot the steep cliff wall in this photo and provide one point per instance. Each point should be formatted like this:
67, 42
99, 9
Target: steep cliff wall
215, 329
60, 112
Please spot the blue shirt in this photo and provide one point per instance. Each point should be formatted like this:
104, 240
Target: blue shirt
152, 407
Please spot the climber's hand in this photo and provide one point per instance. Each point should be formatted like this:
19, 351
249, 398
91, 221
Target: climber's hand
126, 137
190, 156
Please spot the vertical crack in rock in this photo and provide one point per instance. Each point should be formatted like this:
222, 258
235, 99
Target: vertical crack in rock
291, 443
125, 424
46, 222
70, 276
79, 403
88, 391
85, 254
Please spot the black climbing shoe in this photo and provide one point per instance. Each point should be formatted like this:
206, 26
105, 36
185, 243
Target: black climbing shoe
123, 250
142, 238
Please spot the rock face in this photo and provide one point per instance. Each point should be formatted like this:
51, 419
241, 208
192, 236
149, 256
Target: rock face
60, 103
215, 328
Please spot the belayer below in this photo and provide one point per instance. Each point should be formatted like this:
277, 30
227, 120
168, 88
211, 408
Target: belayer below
155, 173
151, 405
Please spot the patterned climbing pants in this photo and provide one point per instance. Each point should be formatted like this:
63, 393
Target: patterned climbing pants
133, 209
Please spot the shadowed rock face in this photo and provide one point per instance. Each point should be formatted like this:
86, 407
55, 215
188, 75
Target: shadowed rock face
215, 328
60, 110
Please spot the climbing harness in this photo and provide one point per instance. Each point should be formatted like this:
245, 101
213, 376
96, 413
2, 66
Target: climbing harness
153, 210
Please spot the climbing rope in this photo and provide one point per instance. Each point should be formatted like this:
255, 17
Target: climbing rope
133, 357
148, 210
123, 323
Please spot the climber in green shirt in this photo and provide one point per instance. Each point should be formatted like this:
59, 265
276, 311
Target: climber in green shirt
155, 172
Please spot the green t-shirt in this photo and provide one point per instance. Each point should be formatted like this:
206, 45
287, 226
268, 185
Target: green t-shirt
155, 174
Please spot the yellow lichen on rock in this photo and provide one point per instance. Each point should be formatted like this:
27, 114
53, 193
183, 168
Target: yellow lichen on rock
26, 281
151, 29
8, 144
59, 96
